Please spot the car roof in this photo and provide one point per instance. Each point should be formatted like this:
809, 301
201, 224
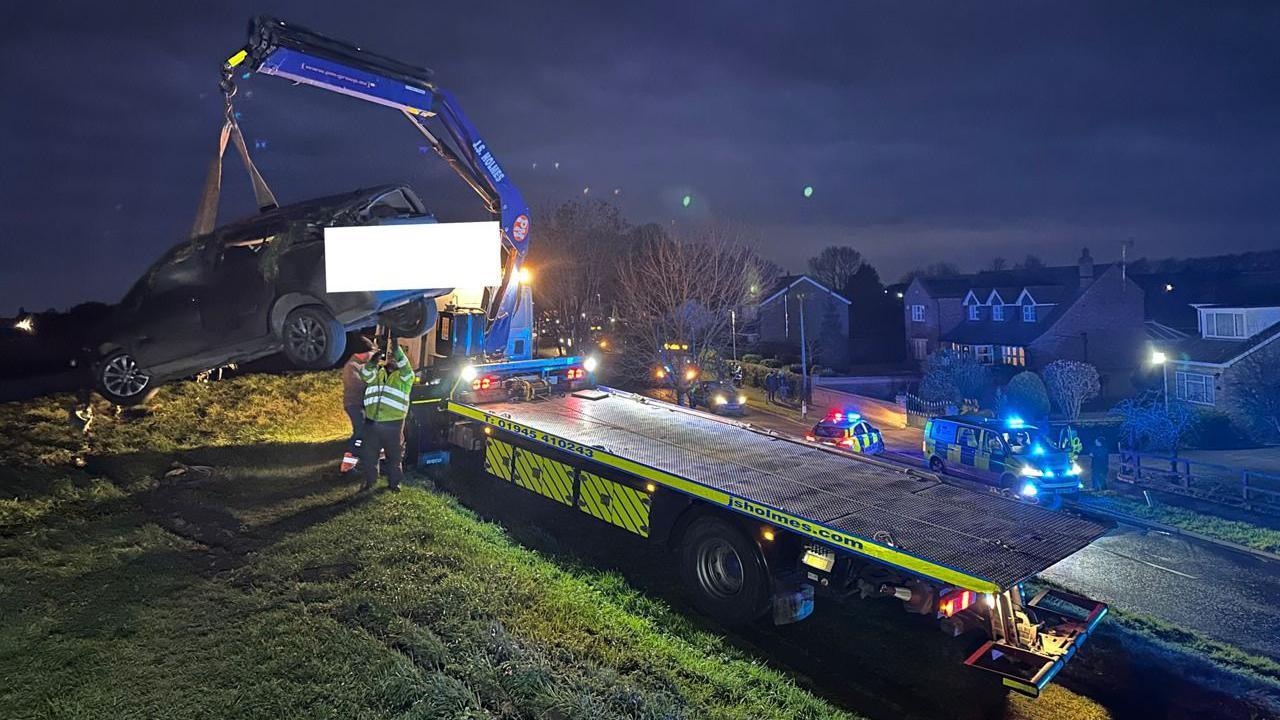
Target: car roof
984, 422
314, 209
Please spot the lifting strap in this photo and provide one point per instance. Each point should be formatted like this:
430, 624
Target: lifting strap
207, 212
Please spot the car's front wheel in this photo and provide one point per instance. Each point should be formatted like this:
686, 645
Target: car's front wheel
120, 379
312, 338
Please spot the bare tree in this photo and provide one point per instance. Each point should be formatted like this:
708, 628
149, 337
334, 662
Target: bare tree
1071, 384
680, 291
997, 264
937, 269
574, 263
835, 265
1255, 391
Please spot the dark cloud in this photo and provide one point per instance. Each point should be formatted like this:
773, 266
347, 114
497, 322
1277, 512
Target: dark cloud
928, 130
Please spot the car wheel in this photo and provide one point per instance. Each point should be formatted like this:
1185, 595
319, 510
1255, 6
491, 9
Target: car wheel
410, 320
312, 338
120, 379
1050, 502
1008, 481
936, 465
724, 571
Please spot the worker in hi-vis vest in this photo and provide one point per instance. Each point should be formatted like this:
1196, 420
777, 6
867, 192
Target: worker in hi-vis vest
386, 403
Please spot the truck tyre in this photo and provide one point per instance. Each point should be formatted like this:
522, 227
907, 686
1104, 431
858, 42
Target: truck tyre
410, 320
312, 338
936, 465
119, 379
724, 571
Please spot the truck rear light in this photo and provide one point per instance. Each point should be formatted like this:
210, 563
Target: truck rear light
574, 374
484, 383
956, 601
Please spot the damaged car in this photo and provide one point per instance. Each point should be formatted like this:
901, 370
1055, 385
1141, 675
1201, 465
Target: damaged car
251, 289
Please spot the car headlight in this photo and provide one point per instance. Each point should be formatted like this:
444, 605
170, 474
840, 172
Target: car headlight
719, 400
1029, 471
742, 399
1075, 469
1029, 490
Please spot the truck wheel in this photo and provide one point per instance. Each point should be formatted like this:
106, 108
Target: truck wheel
724, 571
312, 338
120, 380
410, 320
936, 465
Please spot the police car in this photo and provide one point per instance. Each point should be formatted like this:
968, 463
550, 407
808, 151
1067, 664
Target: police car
1008, 453
847, 431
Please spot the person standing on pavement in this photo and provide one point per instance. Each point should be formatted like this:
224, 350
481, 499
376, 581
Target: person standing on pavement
353, 386
1099, 463
386, 403
770, 387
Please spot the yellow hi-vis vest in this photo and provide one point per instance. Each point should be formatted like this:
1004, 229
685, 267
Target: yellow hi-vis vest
386, 395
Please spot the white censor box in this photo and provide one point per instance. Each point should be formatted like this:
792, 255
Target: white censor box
423, 256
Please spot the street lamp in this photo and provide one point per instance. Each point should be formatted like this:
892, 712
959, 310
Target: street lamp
804, 365
1159, 359
733, 332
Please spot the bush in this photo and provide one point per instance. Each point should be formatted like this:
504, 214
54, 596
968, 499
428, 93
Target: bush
796, 368
752, 358
953, 377
1025, 395
771, 363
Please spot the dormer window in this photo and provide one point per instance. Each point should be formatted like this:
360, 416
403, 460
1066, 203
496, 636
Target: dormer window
1028, 313
1224, 325
997, 312
974, 313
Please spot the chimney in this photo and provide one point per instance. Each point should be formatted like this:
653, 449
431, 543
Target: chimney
1086, 268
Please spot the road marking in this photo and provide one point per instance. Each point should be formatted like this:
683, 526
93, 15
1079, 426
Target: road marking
1144, 562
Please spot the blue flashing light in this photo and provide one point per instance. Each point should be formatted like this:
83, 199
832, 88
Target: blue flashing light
1029, 490
1014, 422
843, 416
1037, 450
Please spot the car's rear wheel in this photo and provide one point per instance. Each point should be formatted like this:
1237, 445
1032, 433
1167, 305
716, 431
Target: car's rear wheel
120, 379
312, 338
410, 320
936, 465
724, 571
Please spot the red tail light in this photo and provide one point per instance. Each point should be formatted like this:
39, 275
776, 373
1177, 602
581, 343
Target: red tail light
574, 374
484, 383
847, 442
955, 601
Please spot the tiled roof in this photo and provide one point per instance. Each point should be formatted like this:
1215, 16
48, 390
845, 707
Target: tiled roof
1217, 350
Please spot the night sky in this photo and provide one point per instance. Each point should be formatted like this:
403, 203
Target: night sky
929, 131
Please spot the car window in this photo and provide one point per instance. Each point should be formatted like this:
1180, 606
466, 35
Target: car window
829, 431
392, 204
861, 428
967, 437
993, 443
944, 431
182, 267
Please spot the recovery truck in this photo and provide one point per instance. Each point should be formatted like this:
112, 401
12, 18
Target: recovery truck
761, 524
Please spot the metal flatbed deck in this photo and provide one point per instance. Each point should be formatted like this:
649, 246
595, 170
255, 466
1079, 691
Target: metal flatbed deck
976, 540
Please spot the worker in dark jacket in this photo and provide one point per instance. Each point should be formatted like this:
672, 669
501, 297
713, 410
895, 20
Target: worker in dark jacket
386, 403
770, 387
353, 400
1099, 463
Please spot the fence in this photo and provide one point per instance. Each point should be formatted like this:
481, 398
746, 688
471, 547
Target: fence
1222, 484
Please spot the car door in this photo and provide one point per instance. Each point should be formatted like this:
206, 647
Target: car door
237, 301
166, 328
995, 452
967, 439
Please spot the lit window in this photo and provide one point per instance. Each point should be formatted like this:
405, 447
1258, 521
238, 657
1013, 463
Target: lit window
997, 312
1028, 313
973, 312
1194, 387
917, 313
1011, 355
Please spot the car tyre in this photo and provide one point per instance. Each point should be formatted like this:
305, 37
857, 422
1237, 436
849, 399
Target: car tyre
1050, 502
312, 338
121, 380
410, 320
1009, 481
724, 571
936, 465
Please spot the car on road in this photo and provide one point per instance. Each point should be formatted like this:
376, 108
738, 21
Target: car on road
718, 396
251, 289
848, 431
1007, 453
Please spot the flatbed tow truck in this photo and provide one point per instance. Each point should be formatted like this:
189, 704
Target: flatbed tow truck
762, 523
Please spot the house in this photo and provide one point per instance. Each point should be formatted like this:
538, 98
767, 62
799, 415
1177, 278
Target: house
1031, 317
1200, 369
826, 319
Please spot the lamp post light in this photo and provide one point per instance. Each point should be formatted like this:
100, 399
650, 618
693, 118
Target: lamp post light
1159, 359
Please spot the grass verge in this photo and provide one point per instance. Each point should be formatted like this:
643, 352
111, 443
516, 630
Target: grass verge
1236, 531
136, 602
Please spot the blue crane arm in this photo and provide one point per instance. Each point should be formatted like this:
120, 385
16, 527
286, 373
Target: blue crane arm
289, 51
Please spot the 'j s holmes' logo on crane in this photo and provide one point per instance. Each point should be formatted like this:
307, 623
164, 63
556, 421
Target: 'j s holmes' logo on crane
490, 164
520, 228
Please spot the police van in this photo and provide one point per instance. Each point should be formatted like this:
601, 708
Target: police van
1007, 453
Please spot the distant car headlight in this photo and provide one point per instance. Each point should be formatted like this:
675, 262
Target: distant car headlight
742, 399
1029, 490
1029, 471
719, 399
1075, 469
